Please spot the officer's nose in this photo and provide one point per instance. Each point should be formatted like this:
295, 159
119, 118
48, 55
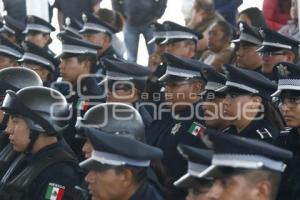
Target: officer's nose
215, 192
9, 127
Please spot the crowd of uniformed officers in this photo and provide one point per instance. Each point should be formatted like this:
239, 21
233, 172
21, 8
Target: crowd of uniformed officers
87, 124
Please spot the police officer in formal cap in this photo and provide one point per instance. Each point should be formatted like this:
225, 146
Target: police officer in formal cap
289, 103
179, 41
123, 129
37, 31
50, 171
9, 53
71, 28
248, 105
245, 168
179, 119
199, 188
246, 46
40, 61
125, 82
12, 30
79, 84
213, 107
276, 48
100, 33
12, 78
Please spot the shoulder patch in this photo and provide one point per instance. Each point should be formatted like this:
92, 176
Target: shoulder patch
54, 192
175, 128
264, 133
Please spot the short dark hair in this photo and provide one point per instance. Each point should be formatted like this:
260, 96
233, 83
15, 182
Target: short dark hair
226, 28
256, 17
91, 58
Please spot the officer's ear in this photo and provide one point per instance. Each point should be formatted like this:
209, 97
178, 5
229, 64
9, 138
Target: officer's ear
264, 190
290, 57
126, 177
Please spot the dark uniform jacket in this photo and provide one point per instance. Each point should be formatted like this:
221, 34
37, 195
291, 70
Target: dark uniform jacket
168, 132
290, 184
41, 174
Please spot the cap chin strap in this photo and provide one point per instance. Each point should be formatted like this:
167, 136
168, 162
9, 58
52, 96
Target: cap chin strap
33, 136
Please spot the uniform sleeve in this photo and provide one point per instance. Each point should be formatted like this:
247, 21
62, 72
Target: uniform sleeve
57, 182
230, 6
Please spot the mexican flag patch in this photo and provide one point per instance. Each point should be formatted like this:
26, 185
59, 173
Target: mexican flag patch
196, 129
55, 192
82, 105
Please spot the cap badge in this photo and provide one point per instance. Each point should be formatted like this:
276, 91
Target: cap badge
283, 71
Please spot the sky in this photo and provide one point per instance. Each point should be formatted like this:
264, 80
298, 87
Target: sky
172, 13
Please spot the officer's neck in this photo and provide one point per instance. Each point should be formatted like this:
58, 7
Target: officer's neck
41, 142
244, 121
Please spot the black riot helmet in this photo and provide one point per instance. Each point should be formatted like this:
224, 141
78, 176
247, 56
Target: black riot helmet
114, 118
16, 78
45, 110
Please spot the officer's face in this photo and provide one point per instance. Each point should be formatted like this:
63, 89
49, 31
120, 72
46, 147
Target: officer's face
240, 107
213, 111
268, 61
71, 69
238, 187
87, 148
6, 62
244, 18
182, 48
18, 132
180, 93
42, 72
246, 51
106, 185
205, 192
216, 39
290, 109
37, 38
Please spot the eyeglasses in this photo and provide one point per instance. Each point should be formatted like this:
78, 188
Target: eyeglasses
272, 53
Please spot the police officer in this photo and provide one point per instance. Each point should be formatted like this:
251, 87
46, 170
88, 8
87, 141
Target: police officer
126, 83
179, 118
198, 160
12, 30
79, 85
276, 48
120, 119
49, 171
248, 105
123, 162
100, 33
246, 46
9, 53
179, 41
37, 31
12, 78
213, 107
289, 98
245, 168
40, 61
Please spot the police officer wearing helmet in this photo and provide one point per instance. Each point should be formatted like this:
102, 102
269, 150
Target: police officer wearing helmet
49, 171
117, 167
9, 53
125, 83
12, 78
288, 93
120, 119
248, 105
